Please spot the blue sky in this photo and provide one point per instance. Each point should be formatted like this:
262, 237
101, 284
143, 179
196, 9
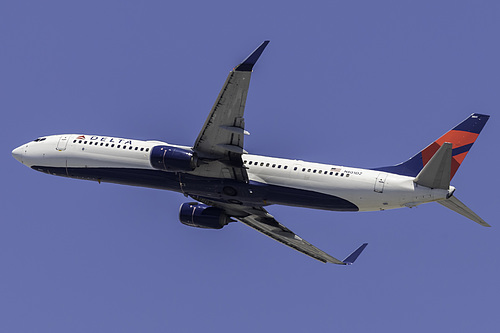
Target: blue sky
357, 83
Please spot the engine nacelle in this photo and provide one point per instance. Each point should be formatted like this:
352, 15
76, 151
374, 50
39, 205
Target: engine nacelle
199, 215
170, 158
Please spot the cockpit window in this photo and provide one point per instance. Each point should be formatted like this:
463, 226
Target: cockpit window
39, 139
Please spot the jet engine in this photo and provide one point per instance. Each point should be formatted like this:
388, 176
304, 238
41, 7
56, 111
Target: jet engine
199, 215
173, 159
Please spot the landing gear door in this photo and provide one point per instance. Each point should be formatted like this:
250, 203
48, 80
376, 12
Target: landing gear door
63, 142
380, 182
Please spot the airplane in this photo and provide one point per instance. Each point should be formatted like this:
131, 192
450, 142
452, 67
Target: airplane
229, 184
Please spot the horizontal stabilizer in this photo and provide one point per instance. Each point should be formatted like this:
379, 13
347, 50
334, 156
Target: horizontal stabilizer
437, 172
457, 206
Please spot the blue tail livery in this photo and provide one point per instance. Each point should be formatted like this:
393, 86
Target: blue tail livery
462, 137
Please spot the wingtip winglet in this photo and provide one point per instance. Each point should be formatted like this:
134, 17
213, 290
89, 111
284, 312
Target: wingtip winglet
353, 256
249, 62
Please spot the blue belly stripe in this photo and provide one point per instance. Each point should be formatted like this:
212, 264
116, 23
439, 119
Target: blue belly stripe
217, 189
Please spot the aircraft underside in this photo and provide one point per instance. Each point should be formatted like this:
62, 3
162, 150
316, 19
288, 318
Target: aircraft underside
216, 189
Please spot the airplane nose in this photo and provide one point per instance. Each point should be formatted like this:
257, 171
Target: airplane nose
18, 153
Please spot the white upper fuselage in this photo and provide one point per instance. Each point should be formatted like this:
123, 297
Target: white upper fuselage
369, 190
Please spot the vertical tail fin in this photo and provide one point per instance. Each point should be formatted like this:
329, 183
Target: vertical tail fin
462, 137
437, 172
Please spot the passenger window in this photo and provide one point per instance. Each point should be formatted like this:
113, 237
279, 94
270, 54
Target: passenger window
347, 175
308, 170
285, 167
279, 166
118, 146
142, 149
147, 149
130, 148
267, 165
331, 173
113, 145
274, 165
84, 142
314, 171
136, 148
107, 144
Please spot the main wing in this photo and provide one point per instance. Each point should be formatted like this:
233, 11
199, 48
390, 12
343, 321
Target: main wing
220, 143
259, 219
267, 224
219, 147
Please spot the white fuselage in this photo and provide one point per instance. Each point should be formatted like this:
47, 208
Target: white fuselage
369, 190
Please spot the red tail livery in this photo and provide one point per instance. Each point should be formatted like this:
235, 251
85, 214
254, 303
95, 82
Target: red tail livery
462, 137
